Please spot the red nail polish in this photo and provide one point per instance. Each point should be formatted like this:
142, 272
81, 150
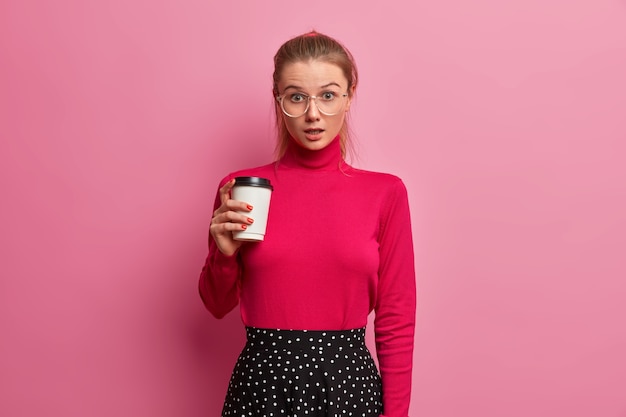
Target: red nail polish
250, 220
244, 227
249, 207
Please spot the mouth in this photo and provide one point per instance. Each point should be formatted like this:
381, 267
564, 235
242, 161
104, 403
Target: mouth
313, 134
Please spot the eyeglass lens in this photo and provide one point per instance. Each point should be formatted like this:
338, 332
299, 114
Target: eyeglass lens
297, 104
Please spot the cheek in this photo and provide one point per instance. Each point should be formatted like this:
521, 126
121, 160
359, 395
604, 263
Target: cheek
339, 121
288, 122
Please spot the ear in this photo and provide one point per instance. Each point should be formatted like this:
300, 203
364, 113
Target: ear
350, 95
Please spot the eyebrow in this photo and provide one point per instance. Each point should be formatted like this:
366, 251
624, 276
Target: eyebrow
295, 87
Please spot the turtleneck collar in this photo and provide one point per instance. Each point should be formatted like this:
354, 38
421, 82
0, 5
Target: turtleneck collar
326, 159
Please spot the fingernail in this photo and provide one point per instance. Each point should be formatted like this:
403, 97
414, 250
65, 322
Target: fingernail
250, 220
244, 227
249, 207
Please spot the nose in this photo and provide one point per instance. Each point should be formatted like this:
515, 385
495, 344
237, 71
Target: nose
312, 113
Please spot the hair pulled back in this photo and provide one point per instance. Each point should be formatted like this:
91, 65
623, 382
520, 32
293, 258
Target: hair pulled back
312, 46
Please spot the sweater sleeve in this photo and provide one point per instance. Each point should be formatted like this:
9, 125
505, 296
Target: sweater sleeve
395, 303
219, 279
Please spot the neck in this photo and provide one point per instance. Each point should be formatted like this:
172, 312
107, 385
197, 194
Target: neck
328, 158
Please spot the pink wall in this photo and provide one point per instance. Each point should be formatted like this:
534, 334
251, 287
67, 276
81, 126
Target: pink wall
506, 120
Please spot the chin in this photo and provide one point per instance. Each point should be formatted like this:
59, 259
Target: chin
314, 145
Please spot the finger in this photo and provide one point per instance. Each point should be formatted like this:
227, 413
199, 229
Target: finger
226, 228
225, 191
231, 217
237, 205
232, 205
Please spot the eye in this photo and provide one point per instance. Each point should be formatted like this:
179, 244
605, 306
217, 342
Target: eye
328, 96
297, 98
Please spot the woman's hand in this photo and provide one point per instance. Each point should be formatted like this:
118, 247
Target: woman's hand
226, 220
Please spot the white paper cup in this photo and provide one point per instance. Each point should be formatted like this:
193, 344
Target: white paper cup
257, 192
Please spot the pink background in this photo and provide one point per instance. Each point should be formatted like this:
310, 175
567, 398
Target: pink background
506, 120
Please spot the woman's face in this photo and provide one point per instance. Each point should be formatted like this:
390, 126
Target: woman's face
314, 130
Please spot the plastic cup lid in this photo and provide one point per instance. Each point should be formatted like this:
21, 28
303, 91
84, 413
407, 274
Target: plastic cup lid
253, 182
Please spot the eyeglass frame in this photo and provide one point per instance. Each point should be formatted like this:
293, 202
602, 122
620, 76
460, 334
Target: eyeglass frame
308, 104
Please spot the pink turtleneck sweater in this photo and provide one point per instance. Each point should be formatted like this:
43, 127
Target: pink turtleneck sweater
338, 245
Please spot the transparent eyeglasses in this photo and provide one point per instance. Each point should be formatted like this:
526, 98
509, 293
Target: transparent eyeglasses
297, 104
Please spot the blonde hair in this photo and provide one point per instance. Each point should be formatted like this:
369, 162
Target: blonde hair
313, 46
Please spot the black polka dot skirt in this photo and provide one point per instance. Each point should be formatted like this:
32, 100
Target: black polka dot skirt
291, 373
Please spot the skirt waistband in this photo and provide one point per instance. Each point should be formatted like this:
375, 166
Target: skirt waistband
311, 340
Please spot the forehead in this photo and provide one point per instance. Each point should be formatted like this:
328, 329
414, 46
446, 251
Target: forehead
311, 74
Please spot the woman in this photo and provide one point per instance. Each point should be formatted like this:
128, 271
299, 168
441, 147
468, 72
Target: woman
338, 246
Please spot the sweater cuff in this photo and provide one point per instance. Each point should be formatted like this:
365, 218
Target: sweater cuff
219, 255
224, 261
